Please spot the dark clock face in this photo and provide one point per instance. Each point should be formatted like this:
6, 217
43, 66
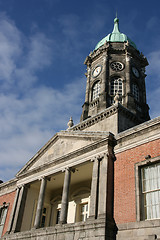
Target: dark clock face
97, 71
135, 72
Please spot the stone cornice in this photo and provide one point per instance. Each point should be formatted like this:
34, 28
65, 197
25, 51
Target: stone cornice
108, 138
104, 114
7, 185
138, 130
64, 134
109, 47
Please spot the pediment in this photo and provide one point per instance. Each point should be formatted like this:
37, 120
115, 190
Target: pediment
59, 146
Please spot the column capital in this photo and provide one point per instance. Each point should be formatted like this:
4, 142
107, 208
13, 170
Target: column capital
44, 178
99, 157
69, 169
27, 185
20, 186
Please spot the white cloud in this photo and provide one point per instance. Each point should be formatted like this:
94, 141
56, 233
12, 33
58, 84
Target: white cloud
10, 48
21, 57
153, 82
30, 122
154, 63
29, 113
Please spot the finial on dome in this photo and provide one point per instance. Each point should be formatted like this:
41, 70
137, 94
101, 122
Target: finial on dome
70, 123
116, 26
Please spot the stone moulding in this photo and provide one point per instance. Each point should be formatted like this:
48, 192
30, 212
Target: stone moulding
108, 137
91, 229
102, 115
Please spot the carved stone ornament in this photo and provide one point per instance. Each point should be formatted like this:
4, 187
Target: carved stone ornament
70, 123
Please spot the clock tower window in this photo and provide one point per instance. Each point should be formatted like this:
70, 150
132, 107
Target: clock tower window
96, 90
135, 91
116, 86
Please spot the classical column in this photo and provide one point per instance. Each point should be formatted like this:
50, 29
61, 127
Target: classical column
103, 95
40, 202
88, 84
103, 85
65, 196
19, 209
106, 186
128, 74
103, 186
127, 87
13, 211
94, 189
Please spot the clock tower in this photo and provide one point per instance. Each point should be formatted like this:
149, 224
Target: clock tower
116, 75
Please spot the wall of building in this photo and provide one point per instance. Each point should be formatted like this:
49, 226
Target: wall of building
9, 199
125, 196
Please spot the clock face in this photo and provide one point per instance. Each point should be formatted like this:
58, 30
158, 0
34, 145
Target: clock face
97, 71
135, 72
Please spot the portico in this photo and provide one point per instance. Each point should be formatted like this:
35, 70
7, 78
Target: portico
72, 192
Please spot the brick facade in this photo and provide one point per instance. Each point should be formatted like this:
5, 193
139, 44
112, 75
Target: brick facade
9, 199
125, 197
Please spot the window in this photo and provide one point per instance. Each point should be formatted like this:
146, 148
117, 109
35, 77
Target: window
116, 86
83, 212
3, 214
96, 90
135, 92
81, 198
117, 66
43, 220
58, 215
151, 191
44, 217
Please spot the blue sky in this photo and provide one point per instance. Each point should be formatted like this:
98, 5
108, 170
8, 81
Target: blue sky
43, 44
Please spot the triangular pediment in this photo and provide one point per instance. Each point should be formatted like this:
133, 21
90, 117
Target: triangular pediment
61, 145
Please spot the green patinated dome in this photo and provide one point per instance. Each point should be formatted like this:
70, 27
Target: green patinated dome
115, 36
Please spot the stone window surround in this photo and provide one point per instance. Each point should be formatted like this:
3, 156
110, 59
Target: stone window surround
98, 83
5, 205
123, 81
148, 161
136, 92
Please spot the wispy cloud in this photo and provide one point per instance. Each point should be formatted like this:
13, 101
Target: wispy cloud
30, 112
153, 82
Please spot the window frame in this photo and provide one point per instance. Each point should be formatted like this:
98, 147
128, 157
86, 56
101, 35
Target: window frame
136, 92
138, 186
84, 213
113, 90
4, 206
97, 82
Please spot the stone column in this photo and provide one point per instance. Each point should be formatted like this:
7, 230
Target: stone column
85, 106
40, 203
127, 87
103, 95
103, 85
13, 211
128, 74
19, 209
106, 187
94, 189
65, 196
88, 84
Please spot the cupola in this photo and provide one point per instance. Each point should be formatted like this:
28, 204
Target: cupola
116, 36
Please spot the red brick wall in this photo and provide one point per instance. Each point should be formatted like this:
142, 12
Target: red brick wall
125, 202
9, 199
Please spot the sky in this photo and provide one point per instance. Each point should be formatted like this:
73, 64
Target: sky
43, 45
